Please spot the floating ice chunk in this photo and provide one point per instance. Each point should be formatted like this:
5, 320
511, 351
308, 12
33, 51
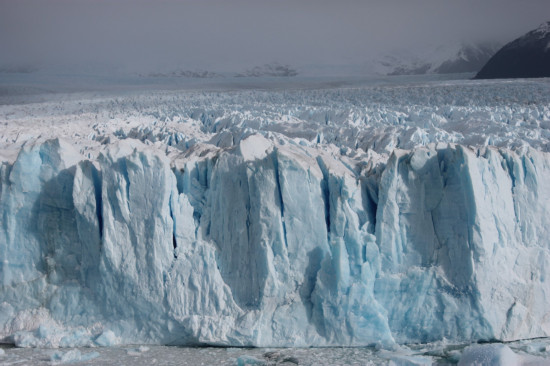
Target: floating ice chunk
107, 339
53, 336
137, 351
43, 336
489, 355
74, 355
58, 357
403, 360
77, 338
250, 361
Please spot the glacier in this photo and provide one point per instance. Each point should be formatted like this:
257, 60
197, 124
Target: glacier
246, 234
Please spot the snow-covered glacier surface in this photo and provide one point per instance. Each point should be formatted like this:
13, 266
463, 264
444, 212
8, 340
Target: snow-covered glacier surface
379, 215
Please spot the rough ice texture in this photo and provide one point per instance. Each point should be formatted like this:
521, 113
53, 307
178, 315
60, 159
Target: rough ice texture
273, 245
507, 114
230, 235
489, 354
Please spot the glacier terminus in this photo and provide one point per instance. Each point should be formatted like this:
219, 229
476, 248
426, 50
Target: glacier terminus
380, 215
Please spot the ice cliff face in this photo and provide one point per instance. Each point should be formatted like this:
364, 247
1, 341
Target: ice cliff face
271, 243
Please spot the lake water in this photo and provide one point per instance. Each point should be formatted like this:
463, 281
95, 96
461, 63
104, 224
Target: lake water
529, 352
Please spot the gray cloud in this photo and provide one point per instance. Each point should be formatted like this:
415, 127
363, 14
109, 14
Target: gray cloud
216, 34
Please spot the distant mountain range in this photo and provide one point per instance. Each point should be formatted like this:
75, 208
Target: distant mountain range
445, 59
195, 74
272, 70
526, 57
268, 70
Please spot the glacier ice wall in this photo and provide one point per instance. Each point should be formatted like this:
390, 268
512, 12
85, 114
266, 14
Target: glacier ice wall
270, 243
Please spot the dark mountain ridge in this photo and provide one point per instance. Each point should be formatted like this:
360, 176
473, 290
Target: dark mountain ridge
525, 57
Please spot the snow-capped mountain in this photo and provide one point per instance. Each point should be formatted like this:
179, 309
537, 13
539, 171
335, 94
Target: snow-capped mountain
525, 57
444, 59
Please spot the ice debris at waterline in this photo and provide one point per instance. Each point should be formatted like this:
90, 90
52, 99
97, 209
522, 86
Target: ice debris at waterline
270, 243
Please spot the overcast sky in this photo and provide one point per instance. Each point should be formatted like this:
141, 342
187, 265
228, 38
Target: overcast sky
233, 35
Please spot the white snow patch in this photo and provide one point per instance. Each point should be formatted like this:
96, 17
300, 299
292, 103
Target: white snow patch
255, 147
